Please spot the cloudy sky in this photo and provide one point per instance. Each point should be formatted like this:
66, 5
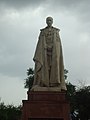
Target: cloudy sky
20, 24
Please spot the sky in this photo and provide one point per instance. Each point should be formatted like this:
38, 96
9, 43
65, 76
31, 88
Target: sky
20, 24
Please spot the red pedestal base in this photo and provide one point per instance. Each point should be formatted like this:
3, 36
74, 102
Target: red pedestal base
46, 105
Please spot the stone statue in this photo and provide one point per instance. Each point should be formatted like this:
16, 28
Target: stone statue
48, 58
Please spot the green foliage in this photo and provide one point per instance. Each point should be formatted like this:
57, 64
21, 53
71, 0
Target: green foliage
29, 80
83, 102
65, 74
9, 112
3, 112
79, 100
71, 91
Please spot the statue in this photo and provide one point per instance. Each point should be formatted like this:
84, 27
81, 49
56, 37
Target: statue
48, 58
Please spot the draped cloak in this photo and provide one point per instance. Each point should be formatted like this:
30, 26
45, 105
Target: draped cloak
41, 76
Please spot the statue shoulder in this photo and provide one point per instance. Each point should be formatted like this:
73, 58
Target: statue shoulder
56, 29
43, 29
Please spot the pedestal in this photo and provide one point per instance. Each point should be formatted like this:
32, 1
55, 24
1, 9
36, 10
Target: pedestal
45, 105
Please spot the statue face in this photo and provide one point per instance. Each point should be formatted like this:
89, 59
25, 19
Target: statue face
49, 21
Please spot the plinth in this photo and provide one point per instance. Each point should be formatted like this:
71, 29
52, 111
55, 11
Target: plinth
45, 105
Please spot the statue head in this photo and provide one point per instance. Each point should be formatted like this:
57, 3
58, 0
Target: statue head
49, 21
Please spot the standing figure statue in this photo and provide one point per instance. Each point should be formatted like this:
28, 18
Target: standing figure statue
48, 58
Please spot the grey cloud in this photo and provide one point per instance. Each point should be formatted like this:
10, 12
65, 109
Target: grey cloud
20, 3
53, 3
80, 7
15, 49
70, 4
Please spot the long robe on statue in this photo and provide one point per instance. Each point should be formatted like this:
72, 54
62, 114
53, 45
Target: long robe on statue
48, 58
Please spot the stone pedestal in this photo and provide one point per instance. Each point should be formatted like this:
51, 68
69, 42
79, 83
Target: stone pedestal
45, 105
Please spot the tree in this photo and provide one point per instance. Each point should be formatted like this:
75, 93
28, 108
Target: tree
80, 101
3, 112
9, 112
65, 74
82, 98
71, 90
30, 78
